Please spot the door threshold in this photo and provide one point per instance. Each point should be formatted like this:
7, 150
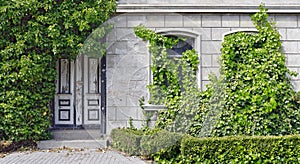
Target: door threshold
67, 127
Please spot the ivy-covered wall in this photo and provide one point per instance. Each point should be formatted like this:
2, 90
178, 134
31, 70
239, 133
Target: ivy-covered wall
34, 34
128, 59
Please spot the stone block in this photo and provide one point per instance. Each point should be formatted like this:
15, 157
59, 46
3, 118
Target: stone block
211, 47
111, 113
138, 123
111, 36
218, 33
116, 98
120, 21
115, 124
205, 33
173, 21
155, 21
230, 21
245, 21
112, 61
138, 47
293, 34
293, 60
286, 21
117, 48
296, 85
290, 46
135, 20
216, 60
192, 20
137, 89
211, 21
282, 32
125, 34
206, 71
206, 60
124, 113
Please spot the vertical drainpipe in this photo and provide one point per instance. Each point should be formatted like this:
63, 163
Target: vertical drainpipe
103, 95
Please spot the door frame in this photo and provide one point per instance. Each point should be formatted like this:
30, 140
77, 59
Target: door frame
102, 99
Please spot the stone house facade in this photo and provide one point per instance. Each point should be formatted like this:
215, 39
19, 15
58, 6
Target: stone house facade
104, 92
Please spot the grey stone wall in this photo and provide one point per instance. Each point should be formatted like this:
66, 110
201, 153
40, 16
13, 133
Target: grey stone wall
128, 58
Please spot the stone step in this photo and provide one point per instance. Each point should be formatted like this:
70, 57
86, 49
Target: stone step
79, 144
82, 134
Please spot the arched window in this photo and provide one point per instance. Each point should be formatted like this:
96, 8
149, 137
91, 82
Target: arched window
191, 41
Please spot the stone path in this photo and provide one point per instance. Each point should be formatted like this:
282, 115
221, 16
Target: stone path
69, 156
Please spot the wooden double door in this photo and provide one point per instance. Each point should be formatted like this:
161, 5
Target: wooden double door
78, 93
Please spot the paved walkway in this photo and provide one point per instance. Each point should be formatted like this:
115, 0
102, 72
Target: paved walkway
69, 156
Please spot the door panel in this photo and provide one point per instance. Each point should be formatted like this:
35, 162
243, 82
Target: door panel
92, 115
64, 110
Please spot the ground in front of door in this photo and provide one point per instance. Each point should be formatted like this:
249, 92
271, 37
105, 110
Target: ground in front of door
70, 156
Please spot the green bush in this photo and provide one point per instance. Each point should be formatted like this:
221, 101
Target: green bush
241, 149
161, 144
34, 34
150, 143
126, 140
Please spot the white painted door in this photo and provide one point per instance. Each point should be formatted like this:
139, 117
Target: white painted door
91, 92
64, 107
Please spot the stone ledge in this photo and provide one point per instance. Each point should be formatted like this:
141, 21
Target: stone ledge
204, 8
153, 108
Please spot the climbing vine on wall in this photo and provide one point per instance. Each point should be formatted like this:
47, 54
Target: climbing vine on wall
258, 95
34, 34
180, 95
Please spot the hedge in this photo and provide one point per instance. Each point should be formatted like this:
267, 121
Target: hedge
126, 140
241, 149
148, 143
161, 144
167, 147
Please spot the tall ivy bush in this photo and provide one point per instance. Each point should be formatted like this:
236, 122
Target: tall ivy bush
182, 98
34, 34
258, 95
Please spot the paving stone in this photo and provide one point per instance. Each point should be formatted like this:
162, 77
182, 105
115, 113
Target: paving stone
70, 156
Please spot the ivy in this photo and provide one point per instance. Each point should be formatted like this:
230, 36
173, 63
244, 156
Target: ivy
252, 96
180, 95
256, 96
34, 34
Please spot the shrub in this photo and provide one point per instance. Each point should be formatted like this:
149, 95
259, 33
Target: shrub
161, 144
150, 143
241, 149
127, 140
